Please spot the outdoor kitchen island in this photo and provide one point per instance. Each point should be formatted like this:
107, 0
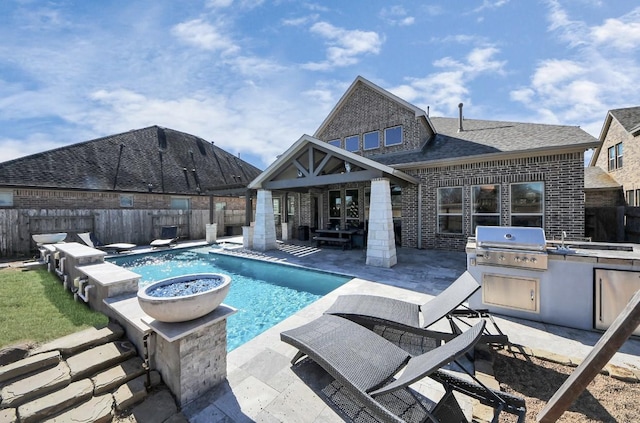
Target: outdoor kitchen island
581, 285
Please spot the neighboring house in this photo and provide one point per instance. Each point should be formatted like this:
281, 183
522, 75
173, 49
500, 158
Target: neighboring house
445, 175
618, 156
123, 187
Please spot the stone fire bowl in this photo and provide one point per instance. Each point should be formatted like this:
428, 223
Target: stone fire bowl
186, 307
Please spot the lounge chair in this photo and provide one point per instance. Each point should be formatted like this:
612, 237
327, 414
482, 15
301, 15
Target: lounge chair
90, 239
371, 310
367, 364
168, 237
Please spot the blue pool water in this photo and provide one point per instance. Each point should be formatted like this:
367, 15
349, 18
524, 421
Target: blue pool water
264, 293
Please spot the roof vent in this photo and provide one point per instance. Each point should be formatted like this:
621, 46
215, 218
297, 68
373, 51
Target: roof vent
460, 129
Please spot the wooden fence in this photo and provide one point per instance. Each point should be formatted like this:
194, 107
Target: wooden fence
110, 225
613, 224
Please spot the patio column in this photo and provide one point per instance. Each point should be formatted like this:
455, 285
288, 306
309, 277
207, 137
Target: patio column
381, 245
264, 232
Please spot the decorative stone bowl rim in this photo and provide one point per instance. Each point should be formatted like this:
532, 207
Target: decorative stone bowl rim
183, 307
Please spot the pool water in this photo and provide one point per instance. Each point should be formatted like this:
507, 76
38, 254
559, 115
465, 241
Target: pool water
264, 293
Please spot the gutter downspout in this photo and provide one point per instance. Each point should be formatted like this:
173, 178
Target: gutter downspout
419, 216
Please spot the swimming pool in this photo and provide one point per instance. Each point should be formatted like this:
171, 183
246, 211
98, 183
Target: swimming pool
264, 293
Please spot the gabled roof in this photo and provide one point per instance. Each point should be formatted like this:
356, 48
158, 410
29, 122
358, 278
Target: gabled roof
628, 117
596, 178
310, 162
419, 113
481, 139
158, 159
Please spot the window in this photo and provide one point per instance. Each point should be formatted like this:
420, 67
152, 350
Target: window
485, 206
393, 136
615, 157
335, 143
291, 208
618, 155
352, 206
631, 200
352, 143
6, 198
335, 208
126, 200
450, 210
277, 210
527, 204
178, 203
371, 140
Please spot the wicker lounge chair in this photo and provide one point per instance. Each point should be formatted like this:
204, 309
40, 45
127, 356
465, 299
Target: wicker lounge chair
371, 310
366, 365
168, 237
90, 239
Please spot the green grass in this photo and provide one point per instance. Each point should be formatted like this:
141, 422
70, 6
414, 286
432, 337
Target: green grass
35, 308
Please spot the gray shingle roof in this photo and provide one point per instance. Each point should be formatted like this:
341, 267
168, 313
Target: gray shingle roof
480, 137
130, 161
596, 178
628, 117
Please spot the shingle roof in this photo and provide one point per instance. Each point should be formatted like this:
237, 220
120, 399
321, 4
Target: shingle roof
628, 117
597, 178
173, 162
481, 137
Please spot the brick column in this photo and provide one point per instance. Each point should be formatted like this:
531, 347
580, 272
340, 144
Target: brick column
381, 245
264, 232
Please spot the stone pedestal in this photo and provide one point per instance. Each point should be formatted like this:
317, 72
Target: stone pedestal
192, 356
381, 244
264, 232
247, 237
287, 231
211, 232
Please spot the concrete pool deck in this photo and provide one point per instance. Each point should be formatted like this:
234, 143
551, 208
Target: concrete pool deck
262, 385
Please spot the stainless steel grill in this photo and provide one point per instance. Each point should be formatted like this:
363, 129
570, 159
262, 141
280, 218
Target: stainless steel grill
510, 246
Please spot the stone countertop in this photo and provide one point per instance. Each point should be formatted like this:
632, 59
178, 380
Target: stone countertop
76, 250
596, 252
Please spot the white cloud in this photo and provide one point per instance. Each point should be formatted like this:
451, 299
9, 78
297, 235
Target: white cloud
219, 4
344, 46
397, 15
490, 4
622, 34
442, 91
598, 76
204, 35
301, 21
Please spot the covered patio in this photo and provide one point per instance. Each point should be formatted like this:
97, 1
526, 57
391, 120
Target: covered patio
339, 191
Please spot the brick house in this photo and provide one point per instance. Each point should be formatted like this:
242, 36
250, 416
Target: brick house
619, 180
123, 187
444, 176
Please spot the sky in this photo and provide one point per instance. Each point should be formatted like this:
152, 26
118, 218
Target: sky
254, 76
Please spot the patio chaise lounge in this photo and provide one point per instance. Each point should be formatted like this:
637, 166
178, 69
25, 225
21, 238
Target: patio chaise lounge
372, 310
366, 364
91, 240
168, 237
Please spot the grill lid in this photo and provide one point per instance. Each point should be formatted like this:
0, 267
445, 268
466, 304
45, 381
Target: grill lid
512, 237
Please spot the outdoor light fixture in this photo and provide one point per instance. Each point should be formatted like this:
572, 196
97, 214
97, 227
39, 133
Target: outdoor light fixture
347, 166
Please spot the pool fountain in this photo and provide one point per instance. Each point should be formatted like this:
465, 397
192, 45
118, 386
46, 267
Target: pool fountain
184, 298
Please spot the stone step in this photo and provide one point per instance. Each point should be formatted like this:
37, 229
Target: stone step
53, 403
134, 390
96, 410
91, 361
83, 340
39, 384
29, 365
113, 377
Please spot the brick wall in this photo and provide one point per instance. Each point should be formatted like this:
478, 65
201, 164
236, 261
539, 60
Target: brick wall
604, 198
628, 176
563, 177
367, 110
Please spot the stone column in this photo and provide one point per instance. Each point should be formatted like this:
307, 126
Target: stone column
247, 236
381, 245
211, 232
264, 232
